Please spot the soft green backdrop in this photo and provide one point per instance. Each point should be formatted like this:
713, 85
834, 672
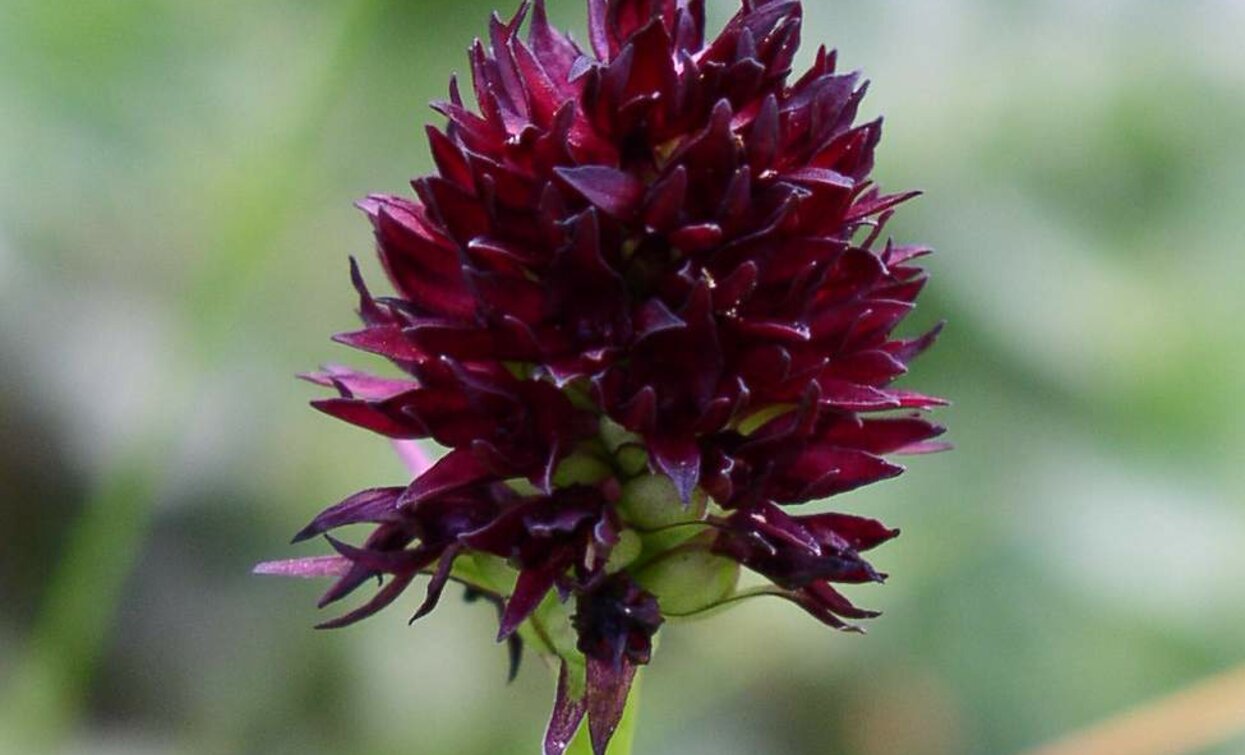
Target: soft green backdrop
175, 189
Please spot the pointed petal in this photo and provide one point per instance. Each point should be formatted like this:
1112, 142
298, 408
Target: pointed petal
608, 686
616, 193
855, 532
354, 384
371, 416
457, 469
373, 505
529, 590
385, 340
436, 585
568, 712
387, 595
665, 200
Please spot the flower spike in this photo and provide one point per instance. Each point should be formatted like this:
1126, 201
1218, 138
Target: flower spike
647, 305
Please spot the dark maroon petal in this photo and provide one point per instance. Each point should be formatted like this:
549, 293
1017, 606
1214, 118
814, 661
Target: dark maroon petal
387, 341
654, 318
781, 332
613, 83
874, 367
380, 561
828, 606
825, 595
508, 295
883, 436
500, 35
354, 384
346, 584
665, 200
608, 685
449, 159
843, 395
640, 413
457, 211
502, 536
758, 19
845, 530
369, 311
736, 200
690, 25
898, 255
543, 94
653, 70
563, 520
555, 52
698, 237
384, 597
821, 613
421, 260
732, 290
712, 155
457, 469
614, 192
822, 471
469, 343
375, 505
875, 205
909, 350
531, 588
436, 585
371, 416
568, 712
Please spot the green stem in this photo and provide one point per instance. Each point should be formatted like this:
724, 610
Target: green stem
43, 694
624, 735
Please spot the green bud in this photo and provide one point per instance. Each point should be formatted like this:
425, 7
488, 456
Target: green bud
615, 435
625, 551
580, 469
689, 580
651, 501
632, 459
577, 392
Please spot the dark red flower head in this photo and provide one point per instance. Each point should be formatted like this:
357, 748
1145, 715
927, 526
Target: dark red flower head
646, 303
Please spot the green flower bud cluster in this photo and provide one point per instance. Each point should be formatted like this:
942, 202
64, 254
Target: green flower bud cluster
672, 560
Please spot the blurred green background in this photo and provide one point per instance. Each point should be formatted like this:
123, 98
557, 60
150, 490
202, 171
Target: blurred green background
176, 182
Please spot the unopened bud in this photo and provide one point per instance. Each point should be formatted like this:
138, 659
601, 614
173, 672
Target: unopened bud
632, 459
651, 501
625, 551
580, 469
689, 580
615, 435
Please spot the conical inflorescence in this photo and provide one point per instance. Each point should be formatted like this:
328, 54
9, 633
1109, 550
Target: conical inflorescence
647, 305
